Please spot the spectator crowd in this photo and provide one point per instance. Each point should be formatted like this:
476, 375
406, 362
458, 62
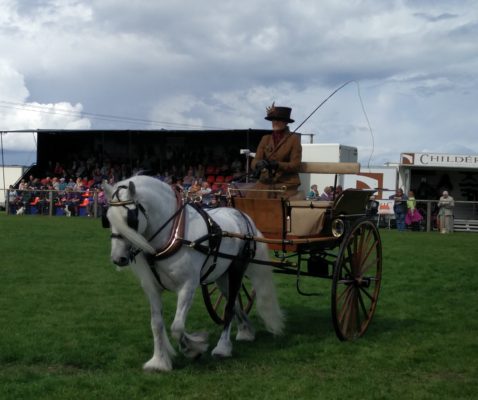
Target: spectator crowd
75, 187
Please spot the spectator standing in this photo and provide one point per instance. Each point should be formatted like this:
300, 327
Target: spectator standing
413, 216
446, 205
399, 208
13, 200
372, 207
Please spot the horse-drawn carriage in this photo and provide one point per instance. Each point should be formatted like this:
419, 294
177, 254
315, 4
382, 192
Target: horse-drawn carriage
176, 245
335, 240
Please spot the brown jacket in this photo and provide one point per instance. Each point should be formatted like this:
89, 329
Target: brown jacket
288, 154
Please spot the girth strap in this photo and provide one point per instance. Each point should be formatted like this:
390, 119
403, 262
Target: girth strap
213, 236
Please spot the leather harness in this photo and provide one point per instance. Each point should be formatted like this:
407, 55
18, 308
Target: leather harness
176, 238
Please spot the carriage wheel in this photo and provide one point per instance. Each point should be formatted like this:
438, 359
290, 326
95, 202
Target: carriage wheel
356, 280
215, 301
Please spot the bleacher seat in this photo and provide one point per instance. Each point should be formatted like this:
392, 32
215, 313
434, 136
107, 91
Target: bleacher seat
83, 207
34, 205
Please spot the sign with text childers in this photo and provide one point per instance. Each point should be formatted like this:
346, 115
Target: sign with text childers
439, 160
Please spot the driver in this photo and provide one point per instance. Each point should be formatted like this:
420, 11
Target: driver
278, 157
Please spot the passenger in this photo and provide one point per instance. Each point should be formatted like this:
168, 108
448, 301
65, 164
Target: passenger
278, 157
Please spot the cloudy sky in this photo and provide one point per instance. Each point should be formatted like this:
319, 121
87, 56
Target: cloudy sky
146, 64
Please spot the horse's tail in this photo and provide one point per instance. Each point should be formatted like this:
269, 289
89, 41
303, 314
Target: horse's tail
267, 303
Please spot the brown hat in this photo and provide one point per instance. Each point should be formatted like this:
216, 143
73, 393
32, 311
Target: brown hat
275, 113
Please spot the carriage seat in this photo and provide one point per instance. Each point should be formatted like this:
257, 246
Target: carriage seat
274, 217
306, 217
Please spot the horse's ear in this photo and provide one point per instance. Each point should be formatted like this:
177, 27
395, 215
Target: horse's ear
132, 188
108, 189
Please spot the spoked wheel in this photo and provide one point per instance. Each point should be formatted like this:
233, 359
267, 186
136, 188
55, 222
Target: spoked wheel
215, 301
356, 280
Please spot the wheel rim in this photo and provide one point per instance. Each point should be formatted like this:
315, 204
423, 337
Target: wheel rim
356, 281
215, 301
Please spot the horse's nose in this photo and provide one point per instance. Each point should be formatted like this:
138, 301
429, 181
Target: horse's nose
121, 261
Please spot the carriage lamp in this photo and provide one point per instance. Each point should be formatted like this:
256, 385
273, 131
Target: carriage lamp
338, 227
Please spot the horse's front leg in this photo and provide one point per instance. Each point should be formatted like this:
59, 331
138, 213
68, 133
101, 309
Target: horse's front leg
191, 345
163, 351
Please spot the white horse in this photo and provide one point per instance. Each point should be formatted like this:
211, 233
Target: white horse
177, 247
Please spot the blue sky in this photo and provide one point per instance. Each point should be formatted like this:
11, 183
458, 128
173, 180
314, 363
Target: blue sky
218, 64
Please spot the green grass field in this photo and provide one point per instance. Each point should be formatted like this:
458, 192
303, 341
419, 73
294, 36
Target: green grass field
72, 327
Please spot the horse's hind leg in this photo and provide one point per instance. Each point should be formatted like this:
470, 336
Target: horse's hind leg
235, 274
191, 345
245, 330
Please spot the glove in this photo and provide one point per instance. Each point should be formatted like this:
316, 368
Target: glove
273, 165
260, 165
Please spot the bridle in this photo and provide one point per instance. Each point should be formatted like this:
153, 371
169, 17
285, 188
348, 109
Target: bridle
132, 218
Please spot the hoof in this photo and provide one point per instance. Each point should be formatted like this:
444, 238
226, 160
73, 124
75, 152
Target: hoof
156, 365
246, 335
222, 351
194, 344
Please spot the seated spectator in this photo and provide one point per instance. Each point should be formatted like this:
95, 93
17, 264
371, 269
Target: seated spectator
188, 178
205, 188
55, 183
314, 193
195, 187
62, 184
338, 190
326, 194
78, 186
22, 185
70, 184
71, 200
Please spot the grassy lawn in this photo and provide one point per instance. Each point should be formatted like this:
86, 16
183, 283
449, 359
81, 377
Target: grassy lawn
72, 327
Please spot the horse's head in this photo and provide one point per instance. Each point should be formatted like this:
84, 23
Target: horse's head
128, 220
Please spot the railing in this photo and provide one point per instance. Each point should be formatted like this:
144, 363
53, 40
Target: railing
54, 202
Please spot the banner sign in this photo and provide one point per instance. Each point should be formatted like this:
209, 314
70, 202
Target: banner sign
439, 160
385, 207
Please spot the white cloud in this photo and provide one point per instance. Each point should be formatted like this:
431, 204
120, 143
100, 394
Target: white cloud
16, 113
220, 63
